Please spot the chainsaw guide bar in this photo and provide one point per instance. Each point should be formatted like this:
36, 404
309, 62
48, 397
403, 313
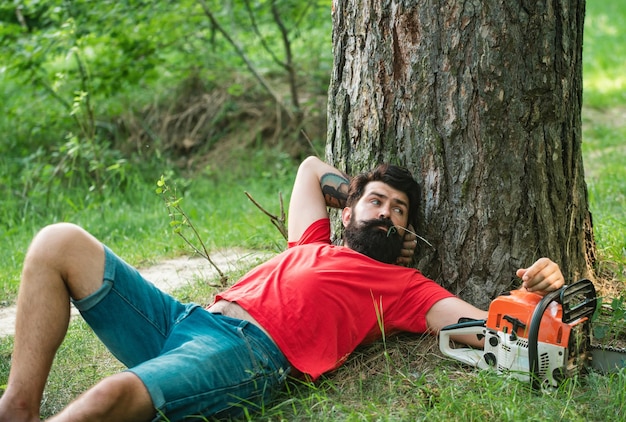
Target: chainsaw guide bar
538, 339
607, 359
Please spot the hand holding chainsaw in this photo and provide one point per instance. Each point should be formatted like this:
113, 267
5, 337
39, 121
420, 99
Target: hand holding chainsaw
542, 277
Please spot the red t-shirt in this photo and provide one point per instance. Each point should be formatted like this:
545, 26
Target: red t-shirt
319, 301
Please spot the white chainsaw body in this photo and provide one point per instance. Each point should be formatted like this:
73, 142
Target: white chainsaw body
507, 354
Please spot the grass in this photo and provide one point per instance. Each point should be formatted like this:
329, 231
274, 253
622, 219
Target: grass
136, 225
604, 128
403, 378
604, 49
418, 386
604, 151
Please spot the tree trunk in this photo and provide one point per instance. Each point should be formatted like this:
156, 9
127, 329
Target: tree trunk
481, 100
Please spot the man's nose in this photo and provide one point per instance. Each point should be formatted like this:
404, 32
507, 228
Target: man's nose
384, 212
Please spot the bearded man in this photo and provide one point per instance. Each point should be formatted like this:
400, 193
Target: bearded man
301, 313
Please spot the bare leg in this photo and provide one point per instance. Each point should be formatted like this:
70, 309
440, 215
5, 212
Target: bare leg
62, 261
122, 397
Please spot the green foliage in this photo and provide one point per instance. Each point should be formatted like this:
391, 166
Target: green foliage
129, 46
609, 326
72, 67
604, 157
604, 131
79, 79
604, 67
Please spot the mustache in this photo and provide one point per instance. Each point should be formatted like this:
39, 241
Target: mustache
392, 229
380, 222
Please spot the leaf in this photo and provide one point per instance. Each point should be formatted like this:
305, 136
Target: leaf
600, 331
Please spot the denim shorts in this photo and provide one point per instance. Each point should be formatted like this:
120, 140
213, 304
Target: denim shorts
193, 362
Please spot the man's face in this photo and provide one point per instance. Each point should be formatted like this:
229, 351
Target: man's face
375, 224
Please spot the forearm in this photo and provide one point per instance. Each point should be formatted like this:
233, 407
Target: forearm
316, 175
334, 185
317, 186
448, 311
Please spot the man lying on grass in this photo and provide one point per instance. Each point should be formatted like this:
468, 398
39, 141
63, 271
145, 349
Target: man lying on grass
301, 313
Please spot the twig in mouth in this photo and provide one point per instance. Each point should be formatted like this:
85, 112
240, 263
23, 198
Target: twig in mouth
394, 229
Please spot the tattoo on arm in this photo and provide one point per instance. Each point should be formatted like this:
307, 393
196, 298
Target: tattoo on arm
335, 189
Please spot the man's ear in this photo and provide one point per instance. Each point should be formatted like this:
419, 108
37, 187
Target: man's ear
346, 215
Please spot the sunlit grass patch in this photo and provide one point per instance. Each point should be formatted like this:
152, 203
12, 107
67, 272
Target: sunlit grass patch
604, 53
604, 152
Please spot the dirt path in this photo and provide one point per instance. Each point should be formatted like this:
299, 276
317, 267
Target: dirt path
168, 276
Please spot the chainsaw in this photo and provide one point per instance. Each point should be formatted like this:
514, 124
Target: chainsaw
541, 339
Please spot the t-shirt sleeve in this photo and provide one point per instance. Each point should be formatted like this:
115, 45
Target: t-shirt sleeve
422, 294
317, 232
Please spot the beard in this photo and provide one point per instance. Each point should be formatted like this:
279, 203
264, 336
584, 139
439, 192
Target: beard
367, 238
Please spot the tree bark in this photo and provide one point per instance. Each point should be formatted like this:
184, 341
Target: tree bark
481, 100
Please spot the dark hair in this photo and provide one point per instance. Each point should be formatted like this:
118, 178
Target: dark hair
398, 178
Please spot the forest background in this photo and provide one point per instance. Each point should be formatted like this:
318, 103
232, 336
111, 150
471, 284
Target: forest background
98, 100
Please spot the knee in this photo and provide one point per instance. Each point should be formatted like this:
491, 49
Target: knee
119, 397
58, 245
105, 395
59, 231
56, 239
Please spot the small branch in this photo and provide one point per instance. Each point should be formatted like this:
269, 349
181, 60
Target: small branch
278, 222
84, 83
245, 58
172, 203
306, 136
288, 56
256, 30
204, 252
20, 17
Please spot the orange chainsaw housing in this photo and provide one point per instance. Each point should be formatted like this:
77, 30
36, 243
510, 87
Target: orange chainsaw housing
538, 338
512, 312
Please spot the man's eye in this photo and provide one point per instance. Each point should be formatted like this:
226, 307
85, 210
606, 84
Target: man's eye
398, 211
375, 202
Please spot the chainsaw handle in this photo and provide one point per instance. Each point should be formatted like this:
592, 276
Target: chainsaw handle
466, 355
533, 336
577, 301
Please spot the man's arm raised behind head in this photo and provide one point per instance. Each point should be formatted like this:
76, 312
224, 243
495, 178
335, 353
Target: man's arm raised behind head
317, 186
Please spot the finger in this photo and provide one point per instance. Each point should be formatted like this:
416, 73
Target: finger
540, 270
404, 260
534, 270
546, 283
405, 252
409, 237
409, 244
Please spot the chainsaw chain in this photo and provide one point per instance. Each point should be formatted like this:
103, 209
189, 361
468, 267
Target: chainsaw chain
621, 350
